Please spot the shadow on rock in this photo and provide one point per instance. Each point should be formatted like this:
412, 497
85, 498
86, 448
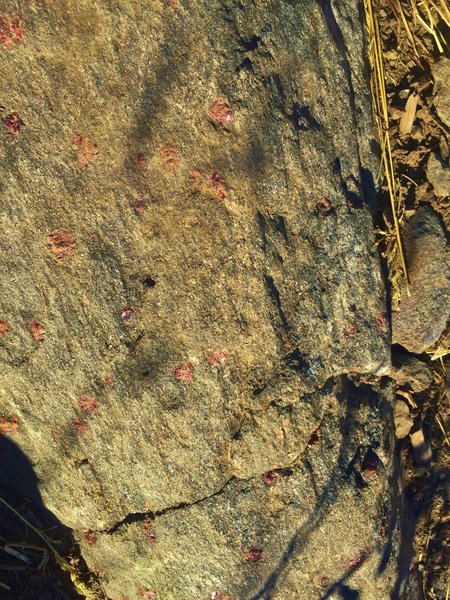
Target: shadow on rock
28, 568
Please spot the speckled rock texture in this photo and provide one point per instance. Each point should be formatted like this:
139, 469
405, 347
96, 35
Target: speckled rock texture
423, 315
189, 288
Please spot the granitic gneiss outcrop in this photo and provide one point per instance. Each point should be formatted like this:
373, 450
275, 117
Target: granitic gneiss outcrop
190, 293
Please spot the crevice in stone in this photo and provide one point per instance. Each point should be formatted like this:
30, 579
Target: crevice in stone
142, 516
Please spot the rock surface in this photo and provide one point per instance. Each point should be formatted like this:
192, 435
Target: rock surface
439, 176
410, 373
189, 272
422, 317
441, 73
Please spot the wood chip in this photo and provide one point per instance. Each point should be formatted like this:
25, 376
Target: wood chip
407, 120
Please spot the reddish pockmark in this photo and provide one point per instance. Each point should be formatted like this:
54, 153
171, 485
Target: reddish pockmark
171, 157
37, 331
5, 328
183, 372
220, 112
218, 358
272, 476
11, 30
314, 440
109, 379
86, 148
122, 597
61, 244
90, 537
149, 536
324, 207
218, 185
14, 123
381, 322
145, 593
219, 596
139, 207
195, 179
141, 161
127, 315
352, 330
324, 581
9, 425
253, 555
79, 427
354, 563
87, 403
370, 465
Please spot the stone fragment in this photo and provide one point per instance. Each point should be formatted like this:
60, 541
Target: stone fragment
441, 74
403, 420
438, 174
423, 315
410, 373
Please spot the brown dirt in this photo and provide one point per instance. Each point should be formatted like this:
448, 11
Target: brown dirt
426, 482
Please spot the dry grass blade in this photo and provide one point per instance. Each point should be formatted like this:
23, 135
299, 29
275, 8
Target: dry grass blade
394, 251
69, 568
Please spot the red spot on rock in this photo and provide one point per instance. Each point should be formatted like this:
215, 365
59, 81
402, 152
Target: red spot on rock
61, 244
37, 331
382, 322
354, 563
109, 379
254, 555
271, 476
11, 30
90, 537
324, 581
324, 207
14, 123
352, 330
219, 596
141, 161
5, 328
9, 425
220, 112
314, 440
195, 179
79, 427
87, 403
218, 358
127, 315
139, 207
218, 185
183, 372
171, 157
86, 148
370, 465
149, 536
145, 593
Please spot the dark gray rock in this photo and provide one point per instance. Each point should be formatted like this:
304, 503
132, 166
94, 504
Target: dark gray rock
423, 315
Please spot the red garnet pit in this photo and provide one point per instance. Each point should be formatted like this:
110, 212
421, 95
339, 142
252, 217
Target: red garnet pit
11, 30
218, 185
37, 331
220, 112
171, 157
14, 123
146, 593
90, 537
183, 372
352, 330
5, 328
381, 322
314, 440
141, 161
61, 244
87, 403
218, 358
219, 596
139, 207
271, 476
79, 427
9, 425
127, 315
324, 207
254, 555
